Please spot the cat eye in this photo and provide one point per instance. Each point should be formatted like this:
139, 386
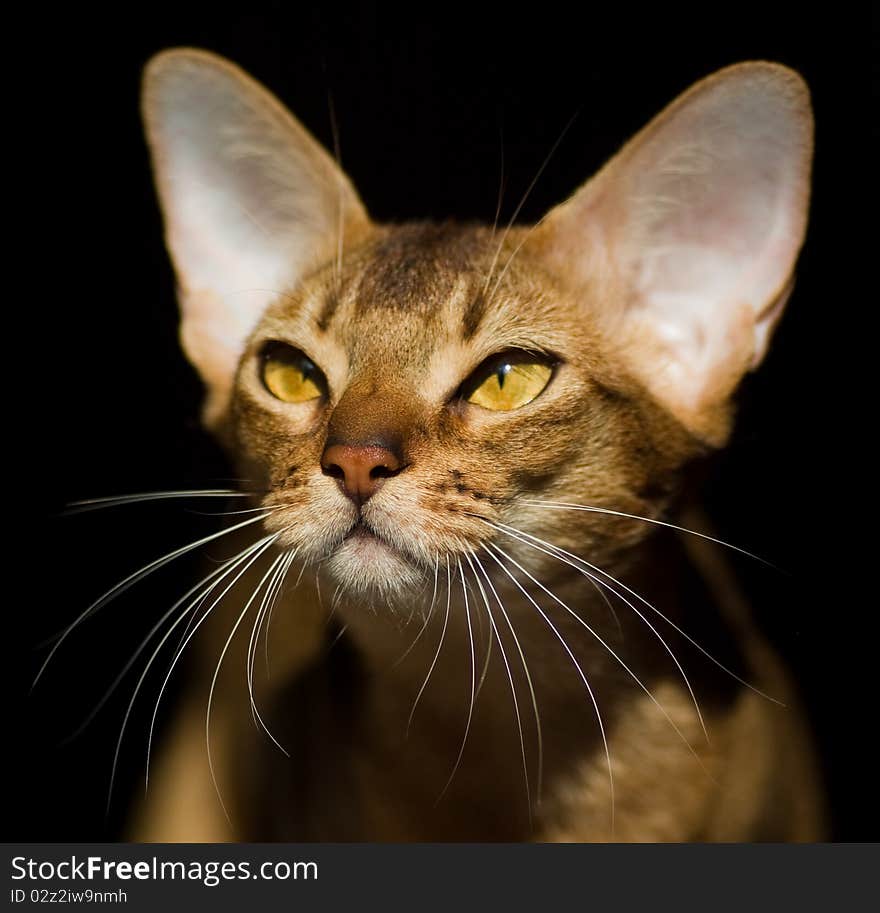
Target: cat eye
290, 375
508, 381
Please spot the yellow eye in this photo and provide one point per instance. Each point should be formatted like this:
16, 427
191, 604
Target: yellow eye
291, 376
511, 383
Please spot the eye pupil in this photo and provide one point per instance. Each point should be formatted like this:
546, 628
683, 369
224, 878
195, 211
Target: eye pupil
508, 381
290, 375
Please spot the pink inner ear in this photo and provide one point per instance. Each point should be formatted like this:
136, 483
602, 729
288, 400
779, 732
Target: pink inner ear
250, 201
701, 217
711, 208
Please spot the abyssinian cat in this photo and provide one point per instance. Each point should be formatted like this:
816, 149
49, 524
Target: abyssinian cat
473, 441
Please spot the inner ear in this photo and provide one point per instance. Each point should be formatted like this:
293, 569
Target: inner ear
251, 203
690, 234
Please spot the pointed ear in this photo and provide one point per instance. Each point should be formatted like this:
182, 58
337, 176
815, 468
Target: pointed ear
251, 202
686, 241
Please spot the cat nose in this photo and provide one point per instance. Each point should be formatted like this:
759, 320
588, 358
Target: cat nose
360, 469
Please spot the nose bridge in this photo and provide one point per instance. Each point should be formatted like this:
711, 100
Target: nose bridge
367, 438
371, 413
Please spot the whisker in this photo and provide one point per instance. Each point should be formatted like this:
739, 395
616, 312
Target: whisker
219, 665
132, 579
653, 608
334, 602
276, 590
118, 500
485, 668
287, 566
522, 657
607, 602
478, 639
500, 184
580, 672
277, 570
437, 653
623, 665
224, 513
522, 742
561, 505
338, 637
318, 588
223, 572
193, 611
256, 552
623, 599
144, 643
340, 226
470, 714
529, 232
428, 614
525, 197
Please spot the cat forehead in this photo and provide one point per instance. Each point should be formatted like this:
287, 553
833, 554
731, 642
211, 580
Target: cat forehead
410, 290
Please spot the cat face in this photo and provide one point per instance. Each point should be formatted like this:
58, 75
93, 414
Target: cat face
408, 348
401, 396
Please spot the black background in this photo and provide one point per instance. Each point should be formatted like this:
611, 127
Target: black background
425, 99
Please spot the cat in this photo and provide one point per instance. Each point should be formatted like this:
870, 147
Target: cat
475, 438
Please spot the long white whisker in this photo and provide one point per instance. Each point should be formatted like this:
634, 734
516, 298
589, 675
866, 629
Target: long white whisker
531, 230
219, 665
437, 653
256, 552
143, 645
597, 580
119, 500
132, 579
580, 621
485, 669
607, 602
580, 672
427, 619
653, 608
335, 599
223, 572
338, 637
522, 742
340, 216
470, 714
277, 571
268, 621
528, 678
500, 185
522, 202
225, 513
561, 505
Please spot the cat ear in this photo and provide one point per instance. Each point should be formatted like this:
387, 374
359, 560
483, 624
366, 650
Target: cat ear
687, 239
251, 202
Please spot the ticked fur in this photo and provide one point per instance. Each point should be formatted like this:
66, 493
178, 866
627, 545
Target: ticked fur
653, 290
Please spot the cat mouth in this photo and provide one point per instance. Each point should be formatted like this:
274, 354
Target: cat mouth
364, 541
366, 561
359, 532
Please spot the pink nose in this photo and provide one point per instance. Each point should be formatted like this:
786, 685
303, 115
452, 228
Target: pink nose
359, 468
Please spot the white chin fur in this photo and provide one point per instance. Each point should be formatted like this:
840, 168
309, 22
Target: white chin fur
370, 568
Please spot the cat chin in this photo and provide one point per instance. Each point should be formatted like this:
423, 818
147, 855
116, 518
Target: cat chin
371, 568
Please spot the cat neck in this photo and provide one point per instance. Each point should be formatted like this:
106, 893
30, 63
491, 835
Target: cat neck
469, 606
589, 655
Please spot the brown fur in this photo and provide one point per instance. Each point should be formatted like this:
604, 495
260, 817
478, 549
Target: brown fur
396, 325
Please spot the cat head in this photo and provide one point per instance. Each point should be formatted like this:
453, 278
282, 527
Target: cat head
403, 394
